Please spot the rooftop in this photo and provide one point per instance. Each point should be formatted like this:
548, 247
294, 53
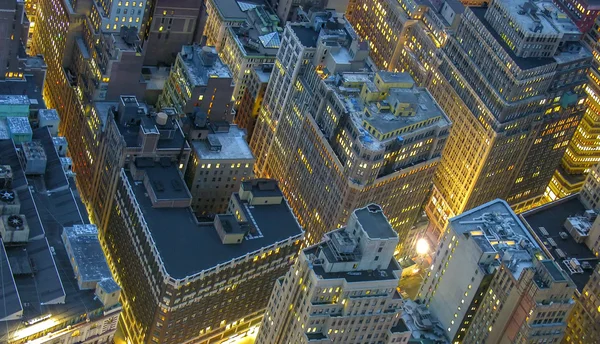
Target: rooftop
87, 252
260, 34
378, 114
496, 228
551, 218
19, 125
52, 288
203, 63
539, 16
375, 223
233, 146
48, 114
523, 62
27, 87
187, 247
233, 10
11, 99
164, 179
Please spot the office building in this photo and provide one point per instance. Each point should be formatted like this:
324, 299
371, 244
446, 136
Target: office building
491, 282
582, 12
218, 166
13, 37
199, 79
175, 23
582, 153
186, 281
252, 98
246, 35
569, 230
342, 289
338, 135
518, 102
57, 287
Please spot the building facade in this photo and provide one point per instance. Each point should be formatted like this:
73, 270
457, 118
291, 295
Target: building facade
13, 32
569, 229
218, 166
174, 23
199, 79
490, 281
329, 122
342, 289
520, 110
206, 281
582, 153
252, 98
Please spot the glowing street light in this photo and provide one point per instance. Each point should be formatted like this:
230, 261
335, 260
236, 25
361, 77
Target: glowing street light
422, 246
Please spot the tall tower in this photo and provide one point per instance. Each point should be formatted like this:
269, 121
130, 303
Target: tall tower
342, 289
583, 152
511, 78
339, 135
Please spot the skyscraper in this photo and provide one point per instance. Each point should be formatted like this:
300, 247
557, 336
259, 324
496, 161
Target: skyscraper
583, 152
252, 98
515, 91
491, 282
342, 289
338, 135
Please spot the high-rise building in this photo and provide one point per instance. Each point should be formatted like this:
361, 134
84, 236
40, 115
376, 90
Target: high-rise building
185, 281
518, 102
174, 23
252, 98
290, 10
56, 284
342, 289
583, 152
13, 37
491, 282
218, 166
246, 35
582, 12
199, 79
338, 135
569, 231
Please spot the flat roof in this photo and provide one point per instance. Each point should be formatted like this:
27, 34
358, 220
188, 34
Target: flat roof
307, 36
13, 99
10, 303
131, 135
8, 156
54, 177
384, 274
187, 247
555, 23
87, 252
235, 10
166, 182
233, 146
199, 73
523, 62
375, 223
27, 87
552, 217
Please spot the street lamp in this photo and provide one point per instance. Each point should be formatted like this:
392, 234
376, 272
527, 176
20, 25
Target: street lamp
422, 246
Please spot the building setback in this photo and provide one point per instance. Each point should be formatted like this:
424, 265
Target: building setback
342, 289
338, 134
